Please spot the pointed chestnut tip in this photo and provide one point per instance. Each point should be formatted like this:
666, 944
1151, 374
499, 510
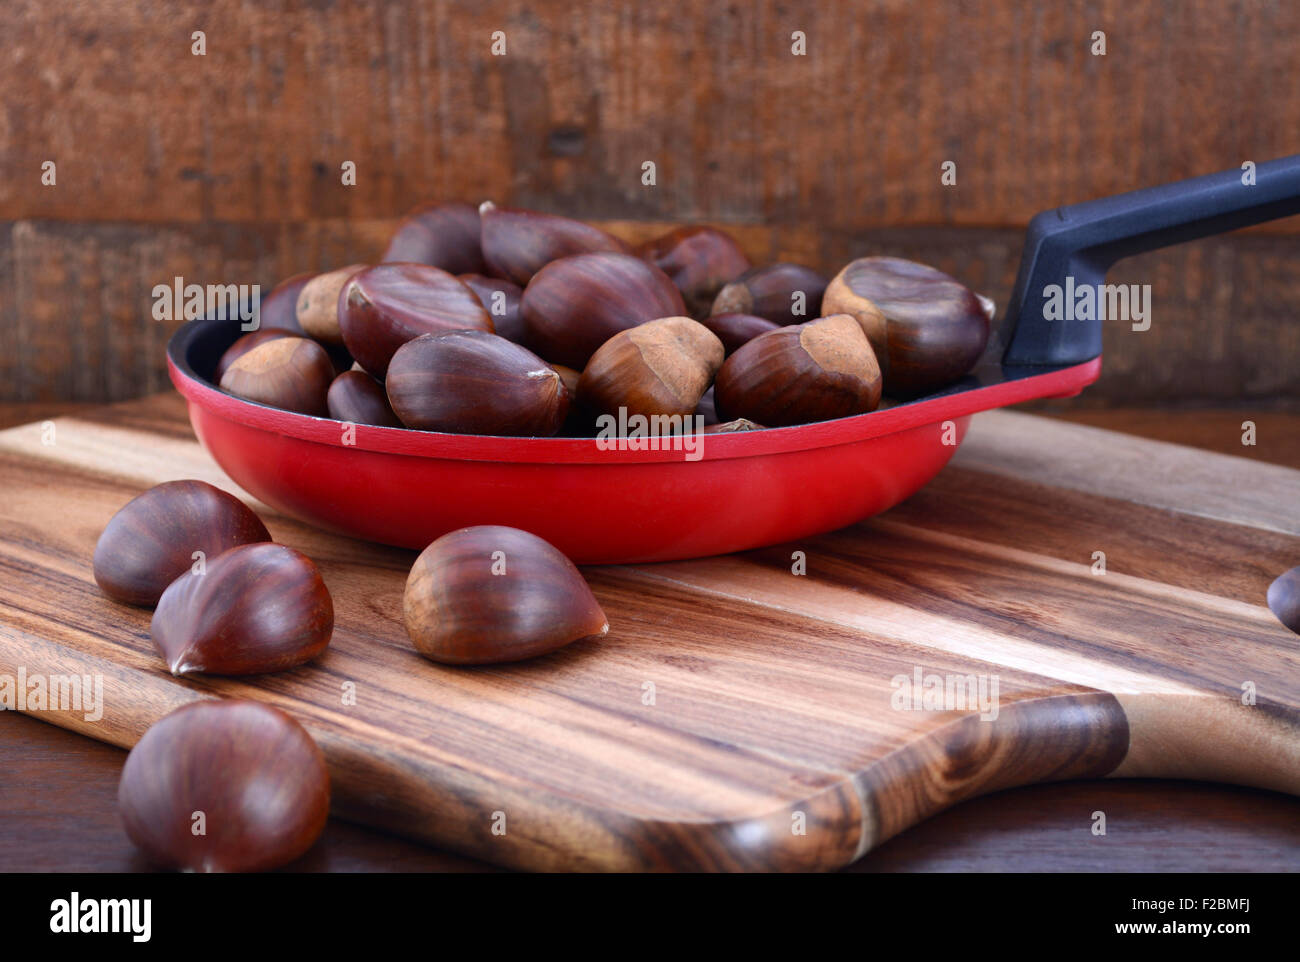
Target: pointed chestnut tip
486, 207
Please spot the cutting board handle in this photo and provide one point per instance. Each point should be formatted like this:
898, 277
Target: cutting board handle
1082, 241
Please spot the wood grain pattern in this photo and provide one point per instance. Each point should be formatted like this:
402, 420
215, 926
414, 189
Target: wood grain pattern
850, 136
772, 690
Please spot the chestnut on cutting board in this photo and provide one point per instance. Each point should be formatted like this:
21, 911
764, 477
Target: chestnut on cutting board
224, 785
254, 609
156, 537
491, 594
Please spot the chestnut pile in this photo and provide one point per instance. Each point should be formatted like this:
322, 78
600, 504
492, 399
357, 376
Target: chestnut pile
499, 321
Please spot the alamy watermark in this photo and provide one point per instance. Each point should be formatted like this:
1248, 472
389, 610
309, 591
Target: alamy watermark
930, 691
656, 432
179, 301
38, 692
1098, 302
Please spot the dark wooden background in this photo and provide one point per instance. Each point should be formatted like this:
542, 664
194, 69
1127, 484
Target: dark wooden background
226, 168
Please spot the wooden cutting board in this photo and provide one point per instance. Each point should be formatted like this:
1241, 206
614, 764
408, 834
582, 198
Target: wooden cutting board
740, 715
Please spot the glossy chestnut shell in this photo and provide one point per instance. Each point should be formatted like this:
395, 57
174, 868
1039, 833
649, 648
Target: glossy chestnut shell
699, 260
799, 374
152, 540
576, 304
783, 292
492, 594
357, 397
445, 236
500, 298
659, 367
290, 373
383, 307
254, 609
473, 382
518, 243
224, 786
927, 328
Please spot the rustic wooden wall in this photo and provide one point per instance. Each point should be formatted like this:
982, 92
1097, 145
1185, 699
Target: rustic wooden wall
225, 168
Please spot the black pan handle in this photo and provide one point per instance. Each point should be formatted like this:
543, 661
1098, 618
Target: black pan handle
1082, 241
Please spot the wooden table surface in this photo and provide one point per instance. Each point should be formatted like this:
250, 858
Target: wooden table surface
1160, 826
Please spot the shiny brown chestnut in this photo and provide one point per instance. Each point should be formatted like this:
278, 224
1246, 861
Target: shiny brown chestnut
279, 308
782, 292
224, 786
518, 243
576, 304
659, 367
500, 298
1284, 598
473, 382
383, 307
290, 373
161, 534
317, 309
699, 260
493, 594
796, 375
707, 408
439, 235
733, 330
927, 328
357, 397
254, 609
244, 344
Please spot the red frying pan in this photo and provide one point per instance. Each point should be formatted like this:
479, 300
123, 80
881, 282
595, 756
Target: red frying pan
744, 490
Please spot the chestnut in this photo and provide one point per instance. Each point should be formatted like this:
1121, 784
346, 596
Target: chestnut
734, 330
290, 373
707, 409
773, 292
383, 307
699, 260
576, 304
357, 397
927, 328
500, 298
796, 375
1284, 598
493, 594
318, 304
439, 235
519, 243
659, 367
279, 307
569, 376
473, 382
152, 540
256, 608
245, 344
224, 786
